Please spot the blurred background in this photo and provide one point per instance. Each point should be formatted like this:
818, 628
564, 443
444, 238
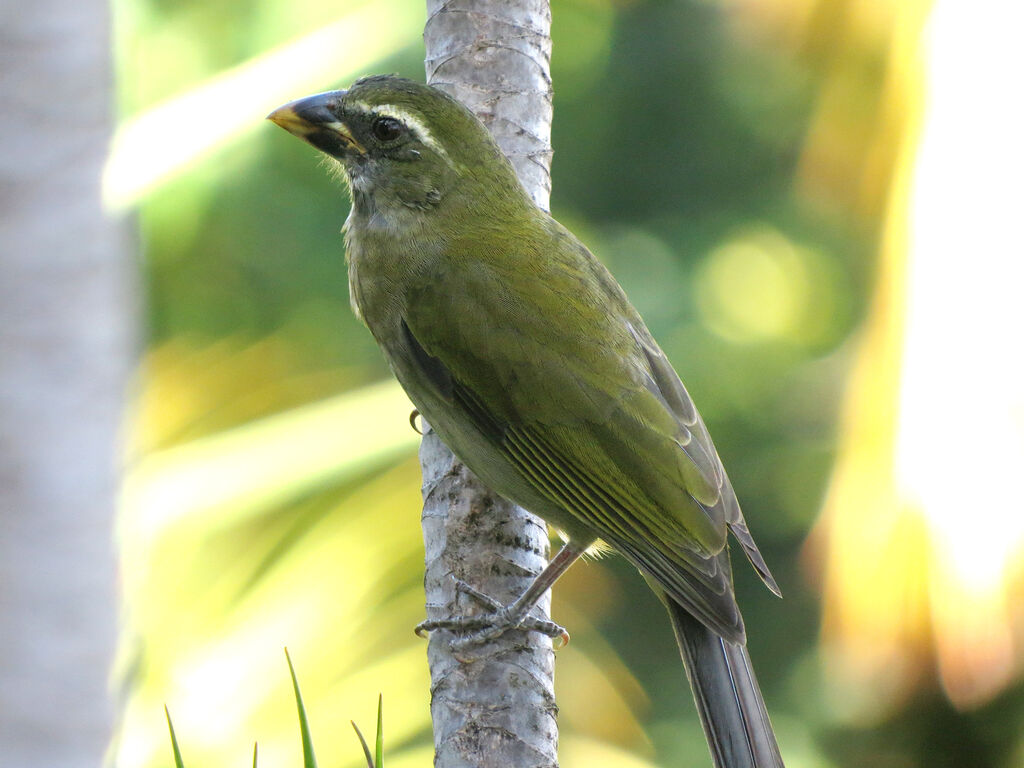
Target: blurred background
815, 206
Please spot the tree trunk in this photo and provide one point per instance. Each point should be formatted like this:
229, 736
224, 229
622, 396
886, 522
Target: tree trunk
63, 360
495, 706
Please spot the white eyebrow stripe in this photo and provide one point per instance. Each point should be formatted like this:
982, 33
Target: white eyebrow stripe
405, 117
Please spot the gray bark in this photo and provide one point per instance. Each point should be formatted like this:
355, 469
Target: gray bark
63, 361
494, 706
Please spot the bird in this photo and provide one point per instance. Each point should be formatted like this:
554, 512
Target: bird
524, 354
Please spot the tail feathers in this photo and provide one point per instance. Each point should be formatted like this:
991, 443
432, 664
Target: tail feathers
728, 699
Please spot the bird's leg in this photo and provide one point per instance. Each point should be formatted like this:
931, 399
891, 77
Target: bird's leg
513, 616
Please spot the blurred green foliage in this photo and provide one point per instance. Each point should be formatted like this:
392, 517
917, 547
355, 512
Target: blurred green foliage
680, 132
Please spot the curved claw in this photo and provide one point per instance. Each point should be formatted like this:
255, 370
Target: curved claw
412, 421
549, 628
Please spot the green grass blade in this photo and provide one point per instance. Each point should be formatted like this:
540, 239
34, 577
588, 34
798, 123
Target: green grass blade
380, 730
174, 740
255, 749
366, 748
308, 758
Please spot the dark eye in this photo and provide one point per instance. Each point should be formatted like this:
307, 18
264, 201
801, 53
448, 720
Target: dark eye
387, 128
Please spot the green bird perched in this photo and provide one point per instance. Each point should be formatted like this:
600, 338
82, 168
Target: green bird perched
526, 357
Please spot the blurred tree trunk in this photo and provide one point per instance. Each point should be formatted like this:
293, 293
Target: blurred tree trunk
63, 359
495, 707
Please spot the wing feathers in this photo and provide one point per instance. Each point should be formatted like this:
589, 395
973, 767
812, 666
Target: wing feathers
629, 458
695, 580
434, 369
698, 582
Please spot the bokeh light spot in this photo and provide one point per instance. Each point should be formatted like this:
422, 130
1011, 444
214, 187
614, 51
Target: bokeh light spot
755, 287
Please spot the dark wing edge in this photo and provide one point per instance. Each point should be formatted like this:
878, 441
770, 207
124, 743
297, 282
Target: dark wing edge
700, 450
741, 533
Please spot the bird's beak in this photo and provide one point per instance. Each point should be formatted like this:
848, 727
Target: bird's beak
315, 119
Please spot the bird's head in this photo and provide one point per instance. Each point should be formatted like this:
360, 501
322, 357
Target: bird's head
404, 146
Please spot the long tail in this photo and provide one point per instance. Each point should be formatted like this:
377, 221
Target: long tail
728, 699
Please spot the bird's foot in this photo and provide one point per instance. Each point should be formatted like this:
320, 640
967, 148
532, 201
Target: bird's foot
477, 630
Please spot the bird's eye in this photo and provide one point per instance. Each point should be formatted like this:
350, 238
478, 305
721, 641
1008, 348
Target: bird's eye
387, 128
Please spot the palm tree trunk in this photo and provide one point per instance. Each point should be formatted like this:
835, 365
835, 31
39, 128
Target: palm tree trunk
63, 361
496, 708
